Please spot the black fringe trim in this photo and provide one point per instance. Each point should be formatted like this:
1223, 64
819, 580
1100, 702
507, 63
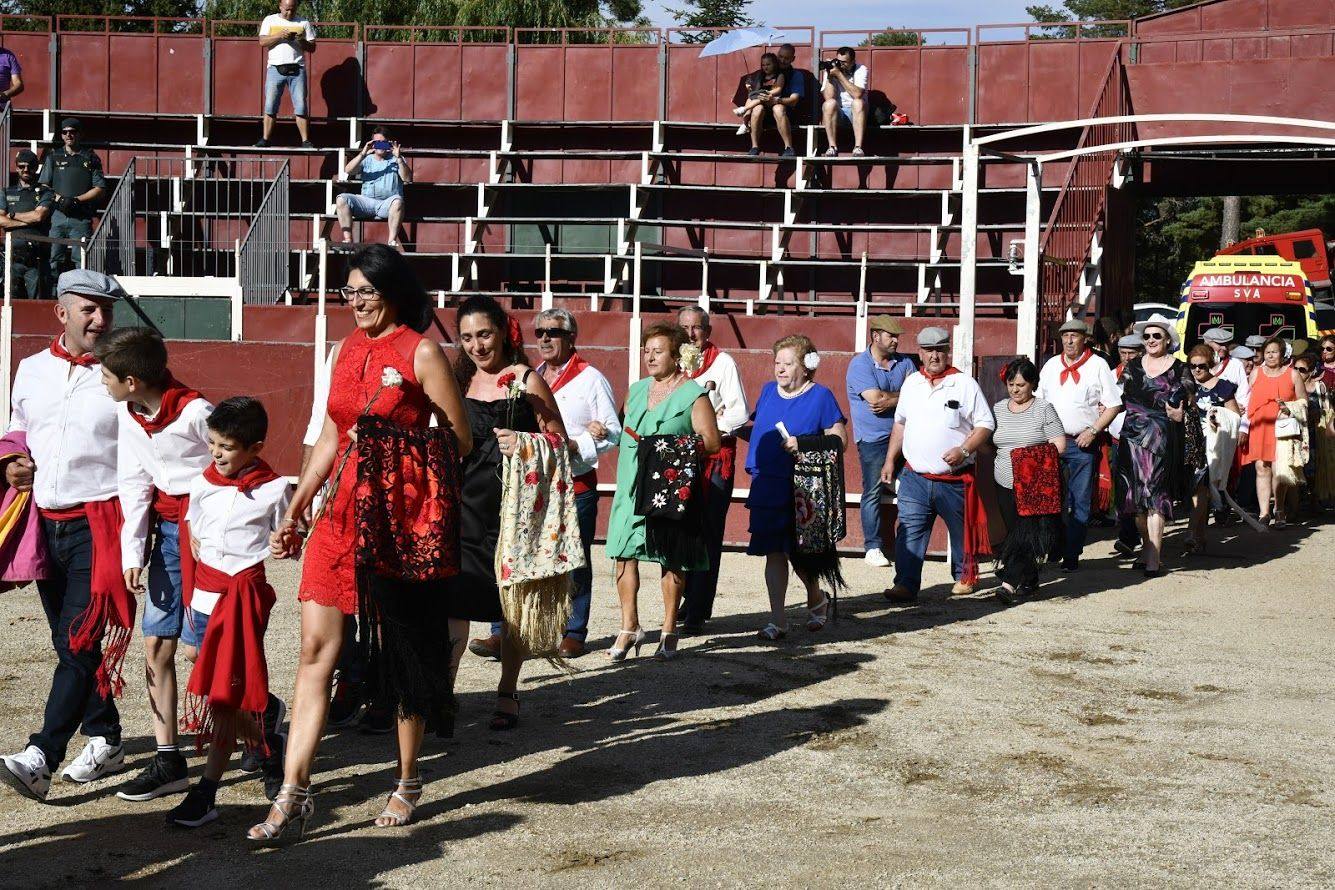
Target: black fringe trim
676, 544
825, 569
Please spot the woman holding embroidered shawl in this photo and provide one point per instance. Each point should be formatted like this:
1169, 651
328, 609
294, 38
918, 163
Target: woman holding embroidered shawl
511, 411
385, 536
795, 461
667, 424
1218, 415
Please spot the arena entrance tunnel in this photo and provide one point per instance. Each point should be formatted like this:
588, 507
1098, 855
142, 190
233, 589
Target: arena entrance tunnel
1080, 260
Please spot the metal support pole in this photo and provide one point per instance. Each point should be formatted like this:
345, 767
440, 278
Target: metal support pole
7, 331
1026, 321
547, 276
321, 319
238, 298
964, 334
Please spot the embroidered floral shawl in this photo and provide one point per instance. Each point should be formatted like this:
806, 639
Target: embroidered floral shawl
818, 510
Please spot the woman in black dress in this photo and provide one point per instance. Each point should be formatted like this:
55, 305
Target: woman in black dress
503, 396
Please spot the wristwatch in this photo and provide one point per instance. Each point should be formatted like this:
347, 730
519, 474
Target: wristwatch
966, 452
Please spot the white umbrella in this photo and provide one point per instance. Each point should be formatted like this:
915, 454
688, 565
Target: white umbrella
740, 39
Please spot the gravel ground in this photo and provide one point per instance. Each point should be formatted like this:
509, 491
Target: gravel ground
1175, 731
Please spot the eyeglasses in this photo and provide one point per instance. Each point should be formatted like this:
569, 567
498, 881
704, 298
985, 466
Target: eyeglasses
1148, 336
551, 333
1328, 348
365, 294
1196, 367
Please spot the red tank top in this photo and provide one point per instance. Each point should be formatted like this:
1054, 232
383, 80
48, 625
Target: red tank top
358, 384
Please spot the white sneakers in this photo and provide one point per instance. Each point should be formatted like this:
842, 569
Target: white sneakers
27, 773
97, 759
876, 559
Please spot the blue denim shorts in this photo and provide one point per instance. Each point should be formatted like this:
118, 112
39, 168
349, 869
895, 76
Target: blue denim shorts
364, 207
275, 83
164, 608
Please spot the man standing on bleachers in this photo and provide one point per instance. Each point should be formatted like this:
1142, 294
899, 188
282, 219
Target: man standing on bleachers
11, 76
75, 175
288, 39
26, 210
718, 375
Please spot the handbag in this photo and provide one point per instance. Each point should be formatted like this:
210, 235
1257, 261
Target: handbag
1287, 426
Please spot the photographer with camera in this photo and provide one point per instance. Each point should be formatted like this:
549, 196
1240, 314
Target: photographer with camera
383, 172
75, 175
288, 39
844, 86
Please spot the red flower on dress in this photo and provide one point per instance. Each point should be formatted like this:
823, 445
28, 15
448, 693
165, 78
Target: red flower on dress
538, 504
683, 493
561, 486
561, 557
503, 381
531, 478
671, 474
505, 571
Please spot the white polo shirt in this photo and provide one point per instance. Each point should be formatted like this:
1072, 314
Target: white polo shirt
71, 424
167, 461
939, 418
726, 395
1078, 404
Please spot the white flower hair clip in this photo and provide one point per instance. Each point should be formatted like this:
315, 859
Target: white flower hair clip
689, 361
390, 377
811, 361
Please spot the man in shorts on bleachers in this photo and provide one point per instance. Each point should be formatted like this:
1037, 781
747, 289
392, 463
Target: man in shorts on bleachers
845, 105
383, 172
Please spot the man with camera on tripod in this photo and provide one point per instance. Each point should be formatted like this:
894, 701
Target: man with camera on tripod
844, 86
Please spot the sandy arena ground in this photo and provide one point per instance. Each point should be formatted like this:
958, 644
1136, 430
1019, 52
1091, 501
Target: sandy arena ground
1116, 731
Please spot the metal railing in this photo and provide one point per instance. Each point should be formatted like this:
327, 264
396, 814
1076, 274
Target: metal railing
6, 118
111, 248
262, 258
1077, 212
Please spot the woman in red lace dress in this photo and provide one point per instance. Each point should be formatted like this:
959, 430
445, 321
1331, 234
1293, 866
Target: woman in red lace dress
388, 369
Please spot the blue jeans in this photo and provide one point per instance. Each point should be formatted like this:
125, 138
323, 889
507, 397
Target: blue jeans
73, 702
586, 508
920, 502
275, 83
702, 586
1079, 465
872, 456
63, 256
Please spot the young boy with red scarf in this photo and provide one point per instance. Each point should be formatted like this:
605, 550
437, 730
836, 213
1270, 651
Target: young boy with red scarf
162, 446
235, 506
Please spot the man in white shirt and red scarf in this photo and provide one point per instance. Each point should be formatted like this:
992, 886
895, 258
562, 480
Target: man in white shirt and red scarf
941, 421
1228, 368
718, 375
589, 412
71, 424
1080, 385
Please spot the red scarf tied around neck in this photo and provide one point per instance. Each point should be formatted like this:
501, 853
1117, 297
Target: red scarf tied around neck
87, 360
707, 356
934, 379
569, 372
1072, 370
253, 476
175, 396
721, 462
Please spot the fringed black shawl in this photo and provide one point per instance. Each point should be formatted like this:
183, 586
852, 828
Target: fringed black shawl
407, 509
818, 511
668, 494
1036, 470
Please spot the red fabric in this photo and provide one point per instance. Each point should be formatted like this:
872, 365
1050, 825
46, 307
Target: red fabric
723, 461
1073, 370
253, 476
585, 482
515, 334
231, 670
569, 372
1103, 493
934, 379
1038, 480
707, 356
64, 515
111, 606
977, 538
58, 349
1263, 411
174, 508
328, 571
174, 399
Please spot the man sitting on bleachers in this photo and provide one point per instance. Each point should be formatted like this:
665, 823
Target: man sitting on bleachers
845, 92
383, 172
799, 88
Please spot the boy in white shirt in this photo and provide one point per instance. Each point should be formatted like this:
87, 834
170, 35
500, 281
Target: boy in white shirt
161, 446
235, 505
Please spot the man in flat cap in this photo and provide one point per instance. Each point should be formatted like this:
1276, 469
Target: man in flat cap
75, 175
62, 407
874, 380
941, 420
26, 210
1255, 342
1247, 356
1220, 340
1080, 385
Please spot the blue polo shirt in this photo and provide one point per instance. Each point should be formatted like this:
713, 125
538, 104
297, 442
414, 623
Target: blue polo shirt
865, 374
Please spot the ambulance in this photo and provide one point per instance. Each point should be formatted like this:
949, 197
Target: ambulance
1247, 295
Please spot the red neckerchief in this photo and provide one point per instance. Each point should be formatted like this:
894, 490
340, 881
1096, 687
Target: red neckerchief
1120, 369
1222, 365
1073, 371
252, 476
707, 356
934, 379
175, 397
569, 372
59, 351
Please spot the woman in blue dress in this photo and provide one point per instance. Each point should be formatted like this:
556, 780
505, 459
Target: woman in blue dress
792, 405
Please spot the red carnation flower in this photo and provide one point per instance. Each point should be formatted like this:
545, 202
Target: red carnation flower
683, 493
505, 380
671, 474
505, 571
531, 478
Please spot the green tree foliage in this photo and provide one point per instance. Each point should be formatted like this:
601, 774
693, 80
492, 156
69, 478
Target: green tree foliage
711, 14
894, 38
1097, 10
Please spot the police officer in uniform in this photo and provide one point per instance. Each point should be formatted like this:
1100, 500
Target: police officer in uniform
26, 209
75, 174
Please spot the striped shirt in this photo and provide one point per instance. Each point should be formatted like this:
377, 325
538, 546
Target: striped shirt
1033, 426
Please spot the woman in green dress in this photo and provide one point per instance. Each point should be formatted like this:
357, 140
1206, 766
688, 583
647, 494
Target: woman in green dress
665, 403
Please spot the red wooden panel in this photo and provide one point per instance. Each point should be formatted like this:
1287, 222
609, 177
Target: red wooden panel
238, 77
944, 85
898, 76
83, 85
1095, 56
33, 51
1188, 51
1235, 15
1155, 53
540, 78
1311, 46
482, 79
1249, 48
333, 79
1002, 82
585, 171
386, 65
692, 85
180, 68
437, 70
635, 80
133, 68
740, 175
1053, 93
473, 170
1300, 13
623, 171
587, 81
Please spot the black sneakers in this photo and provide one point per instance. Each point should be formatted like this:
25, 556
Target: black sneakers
197, 809
165, 774
274, 714
271, 768
346, 702
378, 720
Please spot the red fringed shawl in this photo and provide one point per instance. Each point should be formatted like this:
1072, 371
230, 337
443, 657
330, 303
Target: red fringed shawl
1038, 480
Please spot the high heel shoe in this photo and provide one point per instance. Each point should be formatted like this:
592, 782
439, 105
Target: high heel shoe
293, 804
636, 640
663, 653
402, 788
503, 720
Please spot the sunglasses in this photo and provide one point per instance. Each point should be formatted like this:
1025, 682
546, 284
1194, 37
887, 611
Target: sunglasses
551, 333
70, 131
1328, 348
1149, 336
1196, 367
